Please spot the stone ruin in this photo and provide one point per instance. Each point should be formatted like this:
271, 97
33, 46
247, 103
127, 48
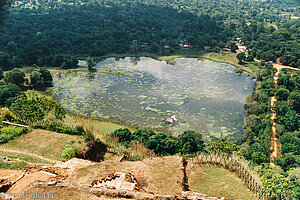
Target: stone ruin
117, 180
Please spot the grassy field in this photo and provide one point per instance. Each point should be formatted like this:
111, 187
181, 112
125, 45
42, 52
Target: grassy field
102, 128
24, 157
217, 181
38, 145
230, 58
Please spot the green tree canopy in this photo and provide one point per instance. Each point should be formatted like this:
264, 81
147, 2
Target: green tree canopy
47, 77
294, 100
34, 109
36, 80
16, 77
241, 57
90, 62
190, 142
5, 61
7, 92
282, 94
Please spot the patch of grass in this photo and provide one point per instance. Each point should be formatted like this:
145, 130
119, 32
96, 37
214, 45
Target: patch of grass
44, 143
32, 93
217, 181
100, 128
18, 165
24, 157
11, 132
70, 149
230, 58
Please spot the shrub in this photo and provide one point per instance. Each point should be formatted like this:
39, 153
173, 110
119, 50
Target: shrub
138, 151
11, 132
31, 110
70, 150
224, 146
188, 142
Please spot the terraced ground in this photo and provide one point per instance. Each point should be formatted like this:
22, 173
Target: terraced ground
37, 146
160, 175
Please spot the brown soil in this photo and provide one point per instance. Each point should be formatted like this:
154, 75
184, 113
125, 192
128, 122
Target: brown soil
17, 181
274, 139
29, 179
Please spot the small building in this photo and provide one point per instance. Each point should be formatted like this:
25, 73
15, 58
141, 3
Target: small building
82, 63
242, 48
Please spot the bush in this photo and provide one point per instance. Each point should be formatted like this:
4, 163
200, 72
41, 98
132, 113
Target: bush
137, 151
11, 132
60, 127
224, 146
189, 142
71, 149
69, 152
31, 110
7, 92
288, 161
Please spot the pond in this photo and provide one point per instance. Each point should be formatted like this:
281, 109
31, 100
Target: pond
205, 96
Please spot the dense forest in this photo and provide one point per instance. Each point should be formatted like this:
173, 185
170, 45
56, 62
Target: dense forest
37, 31
89, 30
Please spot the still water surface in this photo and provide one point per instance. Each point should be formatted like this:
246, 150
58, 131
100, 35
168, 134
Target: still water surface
205, 96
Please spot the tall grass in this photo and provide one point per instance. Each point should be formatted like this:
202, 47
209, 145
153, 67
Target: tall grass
135, 152
138, 151
70, 150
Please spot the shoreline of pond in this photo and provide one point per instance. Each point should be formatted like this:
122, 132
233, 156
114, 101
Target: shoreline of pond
130, 125
222, 57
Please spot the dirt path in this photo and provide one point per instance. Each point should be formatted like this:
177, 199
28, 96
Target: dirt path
274, 140
280, 66
29, 154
